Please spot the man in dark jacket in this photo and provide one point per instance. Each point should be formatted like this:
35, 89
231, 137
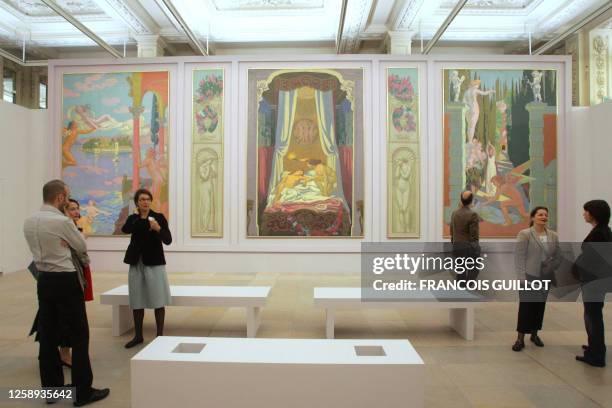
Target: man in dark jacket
465, 233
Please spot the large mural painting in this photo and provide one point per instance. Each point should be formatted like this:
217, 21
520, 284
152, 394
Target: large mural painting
500, 142
114, 141
305, 153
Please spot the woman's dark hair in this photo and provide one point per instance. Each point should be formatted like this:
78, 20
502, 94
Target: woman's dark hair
534, 212
72, 200
140, 192
70, 124
599, 210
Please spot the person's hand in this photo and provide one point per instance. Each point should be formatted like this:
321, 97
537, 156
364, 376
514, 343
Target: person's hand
154, 225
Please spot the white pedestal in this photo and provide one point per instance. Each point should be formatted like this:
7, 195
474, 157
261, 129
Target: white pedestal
252, 298
461, 313
236, 372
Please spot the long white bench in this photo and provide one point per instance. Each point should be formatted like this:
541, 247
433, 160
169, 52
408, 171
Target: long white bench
276, 373
333, 299
253, 298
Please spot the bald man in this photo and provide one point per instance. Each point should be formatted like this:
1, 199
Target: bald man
464, 233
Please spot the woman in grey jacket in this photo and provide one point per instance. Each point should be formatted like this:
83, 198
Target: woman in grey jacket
537, 256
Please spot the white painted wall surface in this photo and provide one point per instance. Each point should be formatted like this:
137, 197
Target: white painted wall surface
23, 164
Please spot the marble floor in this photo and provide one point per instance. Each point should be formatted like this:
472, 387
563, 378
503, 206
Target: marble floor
480, 373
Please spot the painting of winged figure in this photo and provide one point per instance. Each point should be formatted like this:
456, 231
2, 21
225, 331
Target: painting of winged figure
114, 141
500, 142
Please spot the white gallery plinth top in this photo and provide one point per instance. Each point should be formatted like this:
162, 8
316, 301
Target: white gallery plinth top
277, 351
370, 295
205, 291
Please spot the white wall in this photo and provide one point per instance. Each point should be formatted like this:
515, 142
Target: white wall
23, 165
592, 145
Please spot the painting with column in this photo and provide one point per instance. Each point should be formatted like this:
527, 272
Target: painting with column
305, 153
114, 141
403, 160
500, 142
207, 153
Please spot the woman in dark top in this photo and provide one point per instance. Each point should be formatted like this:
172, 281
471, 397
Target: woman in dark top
593, 270
147, 280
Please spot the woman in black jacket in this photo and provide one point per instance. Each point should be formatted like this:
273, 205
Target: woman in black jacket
147, 281
593, 270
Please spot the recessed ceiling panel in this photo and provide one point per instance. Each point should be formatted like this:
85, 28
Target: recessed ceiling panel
36, 8
236, 5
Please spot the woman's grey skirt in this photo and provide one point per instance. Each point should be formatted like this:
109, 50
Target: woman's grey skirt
148, 286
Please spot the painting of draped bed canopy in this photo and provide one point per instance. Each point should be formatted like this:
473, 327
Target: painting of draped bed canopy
305, 149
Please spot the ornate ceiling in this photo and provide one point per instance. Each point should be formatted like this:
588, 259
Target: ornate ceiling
303, 23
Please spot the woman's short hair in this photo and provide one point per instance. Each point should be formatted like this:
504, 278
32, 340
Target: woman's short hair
72, 200
534, 212
140, 192
599, 210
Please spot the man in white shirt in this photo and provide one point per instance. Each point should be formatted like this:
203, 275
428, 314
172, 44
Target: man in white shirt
50, 235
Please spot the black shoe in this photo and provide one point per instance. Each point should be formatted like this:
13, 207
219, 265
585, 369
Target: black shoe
535, 339
518, 345
50, 401
585, 347
96, 395
133, 342
590, 361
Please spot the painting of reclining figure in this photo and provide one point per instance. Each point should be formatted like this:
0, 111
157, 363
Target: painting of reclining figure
500, 142
305, 153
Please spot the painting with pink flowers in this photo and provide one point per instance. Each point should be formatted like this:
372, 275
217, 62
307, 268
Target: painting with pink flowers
403, 153
207, 153
114, 141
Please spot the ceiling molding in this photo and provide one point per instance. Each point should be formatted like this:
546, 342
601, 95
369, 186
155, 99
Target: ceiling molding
494, 7
407, 15
266, 5
564, 14
193, 39
85, 30
356, 19
132, 14
449, 19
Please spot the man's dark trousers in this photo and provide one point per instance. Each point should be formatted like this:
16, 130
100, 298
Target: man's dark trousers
61, 304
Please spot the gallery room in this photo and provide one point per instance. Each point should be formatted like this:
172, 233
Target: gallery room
305, 203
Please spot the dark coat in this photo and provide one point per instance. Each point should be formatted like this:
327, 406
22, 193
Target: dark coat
464, 231
145, 242
594, 261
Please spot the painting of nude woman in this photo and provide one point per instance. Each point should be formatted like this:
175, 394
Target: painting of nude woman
114, 141
500, 142
305, 153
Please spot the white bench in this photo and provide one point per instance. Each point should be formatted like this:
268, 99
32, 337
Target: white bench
253, 298
276, 373
332, 299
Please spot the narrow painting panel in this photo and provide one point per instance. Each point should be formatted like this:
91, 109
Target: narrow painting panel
403, 160
207, 153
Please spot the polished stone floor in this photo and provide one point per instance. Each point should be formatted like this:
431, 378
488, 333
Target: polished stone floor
480, 373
